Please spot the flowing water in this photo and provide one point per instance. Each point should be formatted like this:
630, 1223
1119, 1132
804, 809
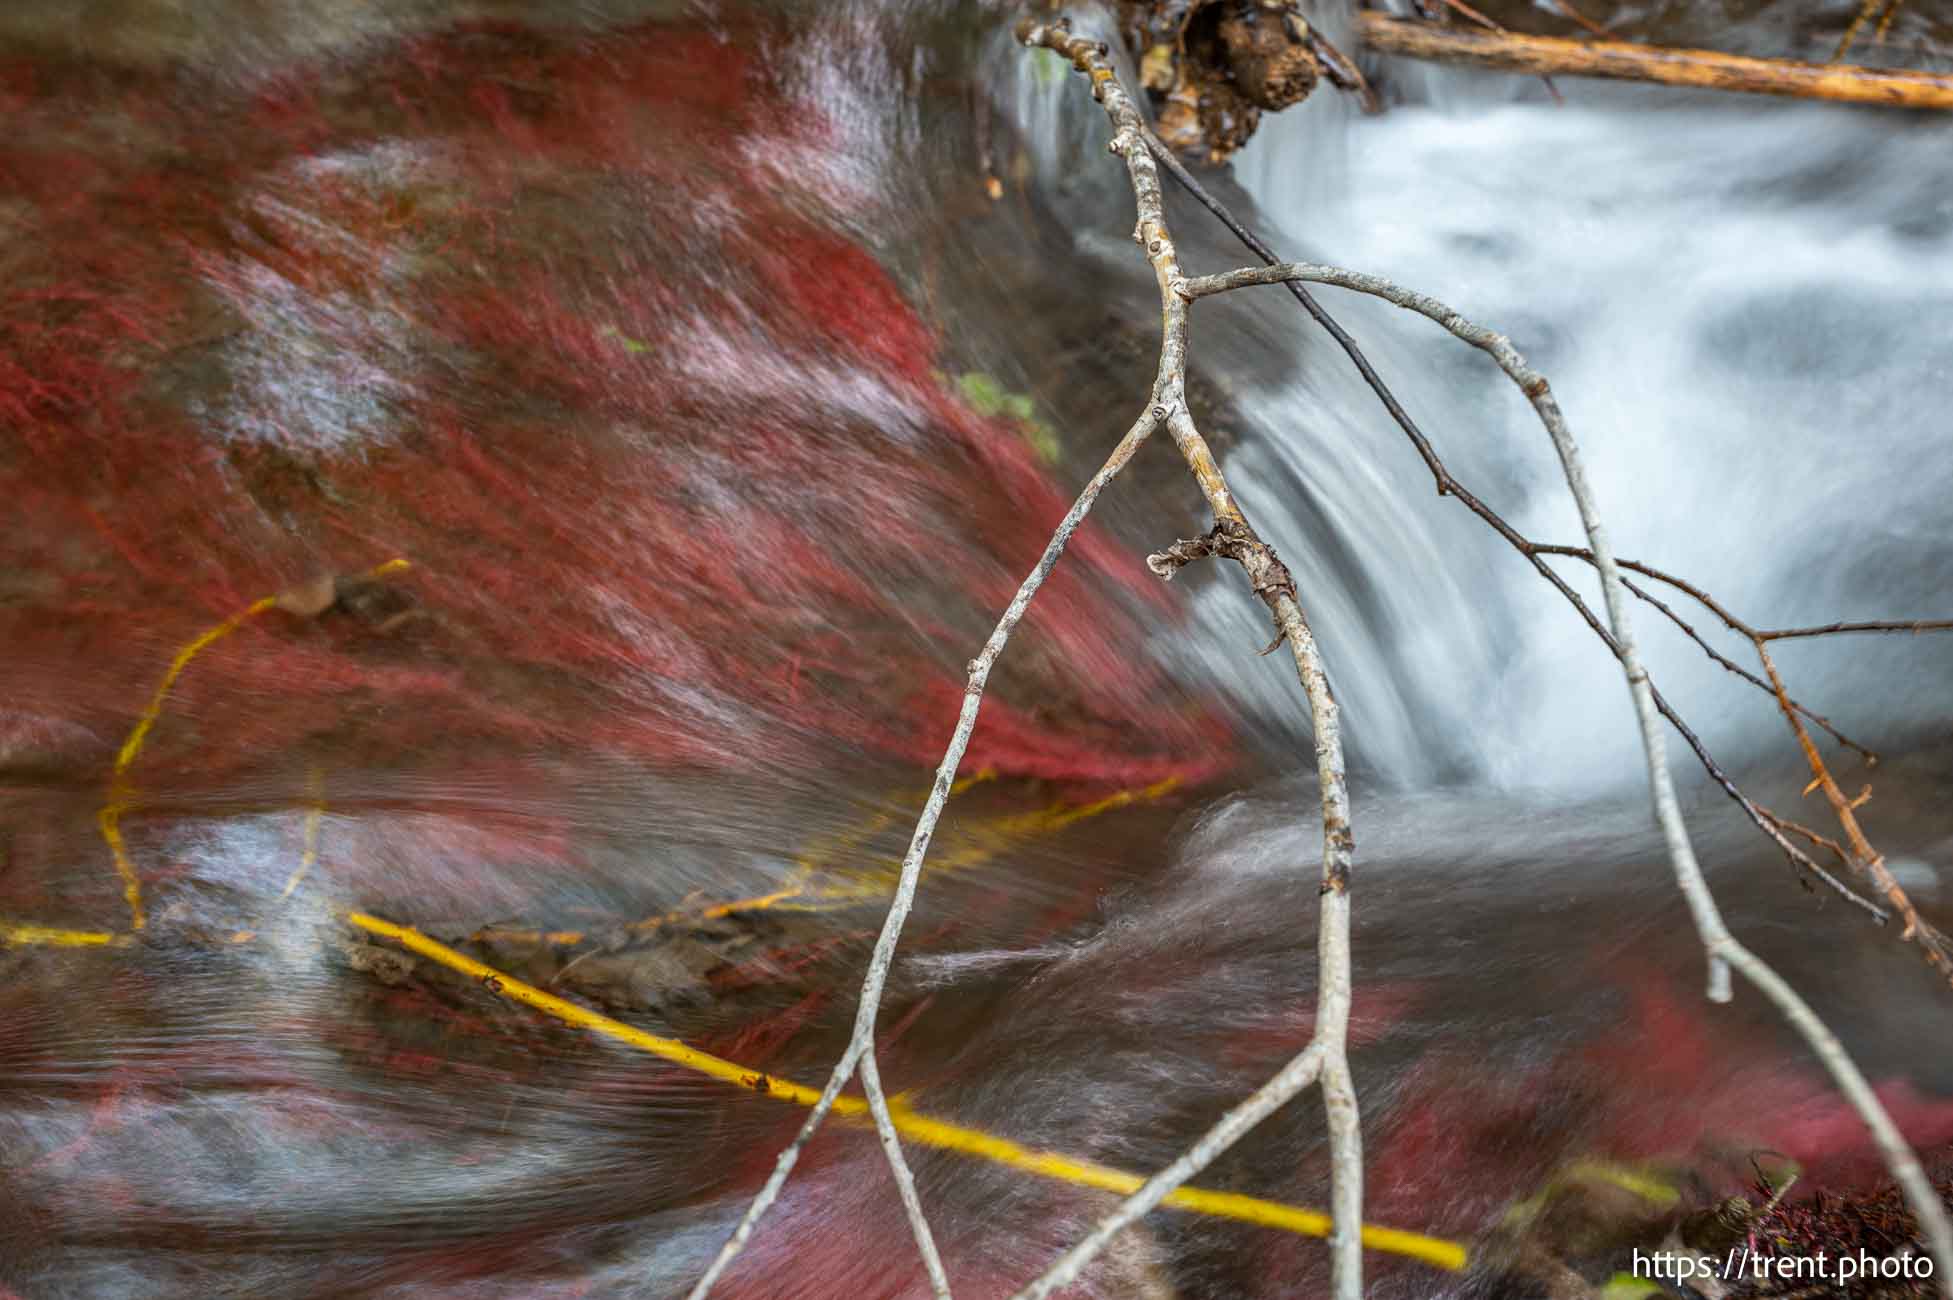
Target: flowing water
715, 410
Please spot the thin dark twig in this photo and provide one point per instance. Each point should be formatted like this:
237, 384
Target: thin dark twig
1871, 757
1473, 14
1821, 841
1493, 26
1765, 820
1575, 16
1683, 585
1755, 636
1919, 625
1934, 946
1449, 486
1724, 951
1735, 624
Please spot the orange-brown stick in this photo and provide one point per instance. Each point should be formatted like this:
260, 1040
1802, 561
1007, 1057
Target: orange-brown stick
1512, 52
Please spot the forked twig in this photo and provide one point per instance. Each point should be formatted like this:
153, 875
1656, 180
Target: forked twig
1862, 858
1668, 612
1724, 952
862, 1038
1765, 821
1325, 1058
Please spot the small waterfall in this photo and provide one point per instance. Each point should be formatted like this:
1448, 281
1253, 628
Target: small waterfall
1734, 300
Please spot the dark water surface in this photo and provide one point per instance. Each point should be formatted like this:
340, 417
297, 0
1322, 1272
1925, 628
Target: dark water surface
715, 411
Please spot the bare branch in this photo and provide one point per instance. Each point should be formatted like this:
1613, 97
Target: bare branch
770, 1190
1581, 553
1721, 947
1539, 393
1235, 538
871, 1084
1682, 585
898, 912
1866, 859
1920, 625
1265, 1101
1934, 945
1449, 486
1870, 757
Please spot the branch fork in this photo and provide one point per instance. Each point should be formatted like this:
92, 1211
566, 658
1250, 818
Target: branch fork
1324, 1060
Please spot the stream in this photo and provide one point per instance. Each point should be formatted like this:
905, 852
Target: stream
537, 474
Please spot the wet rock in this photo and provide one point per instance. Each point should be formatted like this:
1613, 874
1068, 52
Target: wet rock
650, 978
383, 964
1566, 1240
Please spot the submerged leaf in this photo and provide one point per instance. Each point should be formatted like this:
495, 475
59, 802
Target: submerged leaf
984, 394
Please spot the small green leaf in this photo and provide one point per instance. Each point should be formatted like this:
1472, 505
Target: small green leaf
1043, 439
1626, 1286
991, 400
984, 394
631, 345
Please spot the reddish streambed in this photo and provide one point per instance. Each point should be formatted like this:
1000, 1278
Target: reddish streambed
634, 345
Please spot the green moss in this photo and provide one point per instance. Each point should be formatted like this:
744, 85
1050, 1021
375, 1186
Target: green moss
631, 345
992, 400
984, 394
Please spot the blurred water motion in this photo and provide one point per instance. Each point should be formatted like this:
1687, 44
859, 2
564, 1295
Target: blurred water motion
715, 412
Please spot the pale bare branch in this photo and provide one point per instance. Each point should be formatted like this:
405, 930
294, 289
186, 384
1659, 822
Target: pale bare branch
1722, 948
898, 911
871, 1085
1265, 1101
1448, 485
1234, 538
1325, 1060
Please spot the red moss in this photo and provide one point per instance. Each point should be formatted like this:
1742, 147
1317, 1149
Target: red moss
577, 341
